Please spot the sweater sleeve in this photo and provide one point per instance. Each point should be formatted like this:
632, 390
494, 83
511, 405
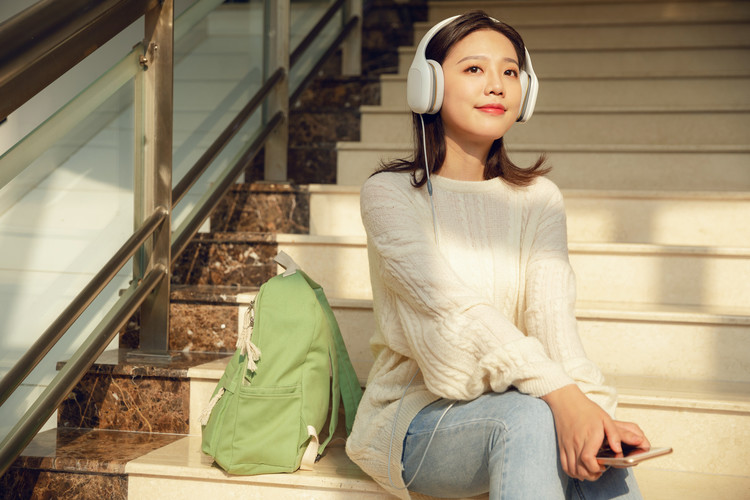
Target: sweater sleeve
463, 345
550, 300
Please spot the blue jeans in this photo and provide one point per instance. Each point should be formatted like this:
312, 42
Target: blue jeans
501, 443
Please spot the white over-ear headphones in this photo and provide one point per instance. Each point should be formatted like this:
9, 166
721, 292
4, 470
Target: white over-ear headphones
424, 83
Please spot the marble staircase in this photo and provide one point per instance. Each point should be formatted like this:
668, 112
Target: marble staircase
653, 165
659, 231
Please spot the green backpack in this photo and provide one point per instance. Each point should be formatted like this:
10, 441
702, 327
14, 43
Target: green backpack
272, 402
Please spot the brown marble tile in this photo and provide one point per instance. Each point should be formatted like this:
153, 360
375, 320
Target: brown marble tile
121, 394
209, 294
205, 317
312, 165
128, 402
260, 207
227, 259
119, 363
203, 327
34, 484
78, 464
89, 450
313, 128
337, 93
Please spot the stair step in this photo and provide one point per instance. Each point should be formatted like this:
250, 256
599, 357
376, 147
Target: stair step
573, 12
615, 34
124, 395
608, 167
626, 62
180, 469
595, 216
622, 92
688, 342
668, 409
78, 463
227, 259
631, 273
609, 126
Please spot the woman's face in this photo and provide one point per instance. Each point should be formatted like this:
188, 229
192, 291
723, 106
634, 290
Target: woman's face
482, 89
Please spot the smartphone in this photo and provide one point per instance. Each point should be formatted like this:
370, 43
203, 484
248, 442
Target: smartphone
629, 457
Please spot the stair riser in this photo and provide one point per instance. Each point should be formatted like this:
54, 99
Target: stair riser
574, 12
34, 483
595, 128
661, 349
354, 166
144, 487
712, 436
131, 402
680, 346
666, 348
621, 63
593, 219
662, 484
662, 279
585, 93
629, 277
632, 170
632, 35
225, 262
691, 351
646, 171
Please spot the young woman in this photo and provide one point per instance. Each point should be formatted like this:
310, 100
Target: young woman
480, 381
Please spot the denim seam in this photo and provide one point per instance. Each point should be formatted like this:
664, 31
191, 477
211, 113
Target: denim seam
579, 490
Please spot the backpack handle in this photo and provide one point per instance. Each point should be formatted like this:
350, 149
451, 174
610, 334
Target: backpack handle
285, 261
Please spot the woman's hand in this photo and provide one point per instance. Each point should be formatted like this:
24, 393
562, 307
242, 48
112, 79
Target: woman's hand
581, 427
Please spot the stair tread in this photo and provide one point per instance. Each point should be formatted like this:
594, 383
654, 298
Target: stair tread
691, 108
698, 394
584, 309
620, 148
185, 458
574, 247
354, 189
401, 77
89, 450
713, 395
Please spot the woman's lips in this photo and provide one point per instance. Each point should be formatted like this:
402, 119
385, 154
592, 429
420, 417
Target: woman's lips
492, 109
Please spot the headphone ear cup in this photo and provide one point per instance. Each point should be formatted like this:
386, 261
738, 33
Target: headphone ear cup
418, 86
529, 91
424, 87
437, 87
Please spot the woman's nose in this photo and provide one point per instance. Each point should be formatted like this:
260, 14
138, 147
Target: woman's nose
494, 85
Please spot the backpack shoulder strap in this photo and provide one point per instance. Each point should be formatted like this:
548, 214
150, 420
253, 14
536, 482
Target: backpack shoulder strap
351, 391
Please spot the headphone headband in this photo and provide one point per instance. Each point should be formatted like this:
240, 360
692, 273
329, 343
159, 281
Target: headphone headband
425, 87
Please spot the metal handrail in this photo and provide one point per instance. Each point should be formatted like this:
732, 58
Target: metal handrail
41, 43
200, 166
185, 233
65, 320
350, 25
36, 47
67, 378
313, 33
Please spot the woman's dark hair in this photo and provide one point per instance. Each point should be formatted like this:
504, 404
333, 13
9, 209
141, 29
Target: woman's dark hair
498, 163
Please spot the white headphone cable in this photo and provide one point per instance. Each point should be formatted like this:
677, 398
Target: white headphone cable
429, 182
393, 433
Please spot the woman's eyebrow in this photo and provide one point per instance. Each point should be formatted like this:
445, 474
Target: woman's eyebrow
484, 58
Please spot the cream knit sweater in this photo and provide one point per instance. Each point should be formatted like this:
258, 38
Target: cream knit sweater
489, 307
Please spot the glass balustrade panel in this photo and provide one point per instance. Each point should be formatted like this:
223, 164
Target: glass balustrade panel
61, 219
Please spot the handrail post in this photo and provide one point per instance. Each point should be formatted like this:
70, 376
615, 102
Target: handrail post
351, 49
153, 172
276, 55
